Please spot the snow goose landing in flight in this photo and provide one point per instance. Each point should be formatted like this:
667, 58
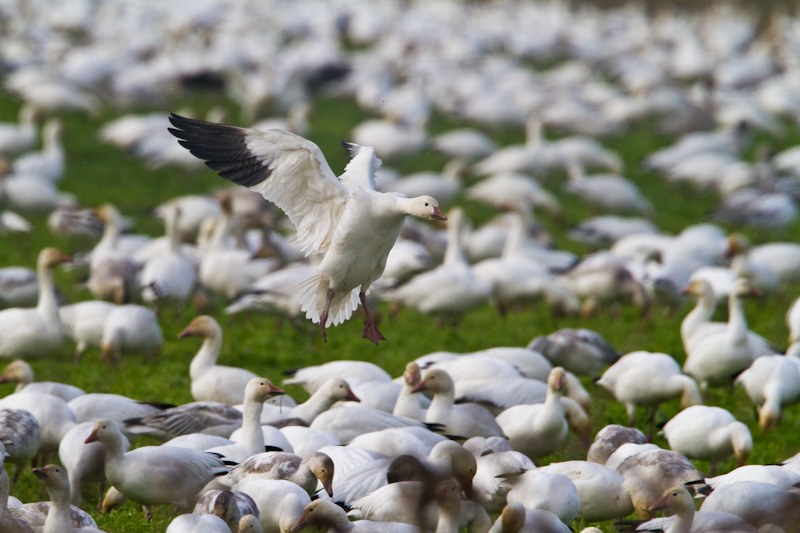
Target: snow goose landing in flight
346, 218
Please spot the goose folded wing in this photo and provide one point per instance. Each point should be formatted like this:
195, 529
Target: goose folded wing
286, 169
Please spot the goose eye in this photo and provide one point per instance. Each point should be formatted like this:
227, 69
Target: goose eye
426, 204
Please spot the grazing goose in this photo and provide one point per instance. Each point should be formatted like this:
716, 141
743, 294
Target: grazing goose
648, 379
21, 373
540, 429
35, 332
449, 290
251, 441
131, 329
684, 518
60, 515
334, 217
210, 381
720, 352
84, 322
465, 420
174, 476
21, 437
49, 163
771, 382
708, 433
229, 505
169, 277
112, 273
8, 523
515, 518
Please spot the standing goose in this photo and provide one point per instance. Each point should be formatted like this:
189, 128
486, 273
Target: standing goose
155, 475
212, 382
18, 137
112, 274
169, 277
49, 163
539, 429
345, 219
35, 332
771, 382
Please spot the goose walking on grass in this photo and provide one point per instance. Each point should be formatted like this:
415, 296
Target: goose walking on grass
346, 218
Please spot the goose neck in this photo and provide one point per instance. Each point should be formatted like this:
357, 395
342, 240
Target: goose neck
206, 356
320, 401
48, 303
252, 436
737, 323
59, 513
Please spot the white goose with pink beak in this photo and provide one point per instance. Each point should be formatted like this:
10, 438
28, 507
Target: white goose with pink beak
344, 218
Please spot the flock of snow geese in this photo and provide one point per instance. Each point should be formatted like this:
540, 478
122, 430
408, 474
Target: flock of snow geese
451, 444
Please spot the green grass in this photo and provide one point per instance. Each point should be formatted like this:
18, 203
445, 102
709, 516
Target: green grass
98, 173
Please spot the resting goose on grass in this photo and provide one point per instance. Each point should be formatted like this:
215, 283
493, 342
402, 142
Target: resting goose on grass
345, 219
35, 332
684, 518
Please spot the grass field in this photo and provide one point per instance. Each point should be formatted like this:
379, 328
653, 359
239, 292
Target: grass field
98, 173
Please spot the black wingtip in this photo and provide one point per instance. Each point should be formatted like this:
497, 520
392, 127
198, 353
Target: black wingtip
351, 148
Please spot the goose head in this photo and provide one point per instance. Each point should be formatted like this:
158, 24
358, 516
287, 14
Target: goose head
321, 465
338, 390
425, 207
249, 524
108, 214
555, 381
742, 288
55, 481
698, 288
259, 390
736, 245
513, 517
412, 374
105, 431
673, 499
436, 381
50, 257
17, 372
202, 326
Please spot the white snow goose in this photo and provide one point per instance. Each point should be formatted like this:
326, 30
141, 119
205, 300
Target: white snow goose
60, 515
708, 433
175, 475
229, 505
8, 523
210, 381
346, 219
21, 373
35, 332
684, 518
771, 382
49, 163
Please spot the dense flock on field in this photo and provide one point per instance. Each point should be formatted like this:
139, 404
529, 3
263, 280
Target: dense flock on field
452, 444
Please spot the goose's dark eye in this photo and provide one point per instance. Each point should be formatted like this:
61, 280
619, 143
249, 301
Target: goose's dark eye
426, 204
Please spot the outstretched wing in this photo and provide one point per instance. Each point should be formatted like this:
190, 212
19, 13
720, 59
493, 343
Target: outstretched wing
285, 168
